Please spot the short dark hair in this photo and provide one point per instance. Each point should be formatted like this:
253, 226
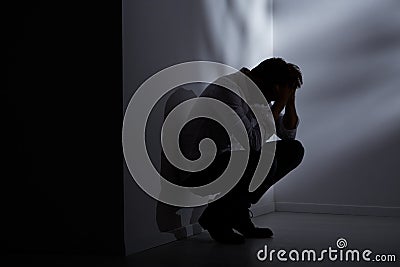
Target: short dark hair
276, 71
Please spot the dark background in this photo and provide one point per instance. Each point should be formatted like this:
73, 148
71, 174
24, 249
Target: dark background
61, 115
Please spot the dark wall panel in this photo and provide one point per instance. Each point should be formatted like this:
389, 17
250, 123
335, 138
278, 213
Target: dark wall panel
62, 121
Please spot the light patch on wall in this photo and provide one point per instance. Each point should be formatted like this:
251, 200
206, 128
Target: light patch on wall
241, 31
349, 105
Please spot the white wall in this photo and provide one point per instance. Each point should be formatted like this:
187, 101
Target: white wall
158, 34
349, 105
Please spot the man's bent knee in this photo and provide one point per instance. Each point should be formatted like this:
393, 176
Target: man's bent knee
298, 151
293, 150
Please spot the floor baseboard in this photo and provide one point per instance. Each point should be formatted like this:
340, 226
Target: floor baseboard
263, 209
338, 209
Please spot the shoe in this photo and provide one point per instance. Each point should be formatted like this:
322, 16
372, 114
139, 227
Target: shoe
225, 235
245, 226
219, 231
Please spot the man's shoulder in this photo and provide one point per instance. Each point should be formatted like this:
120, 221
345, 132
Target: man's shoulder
222, 85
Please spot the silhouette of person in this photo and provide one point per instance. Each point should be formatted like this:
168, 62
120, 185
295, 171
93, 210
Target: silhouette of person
278, 82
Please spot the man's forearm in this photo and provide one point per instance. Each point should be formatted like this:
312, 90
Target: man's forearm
276, 110
290, 117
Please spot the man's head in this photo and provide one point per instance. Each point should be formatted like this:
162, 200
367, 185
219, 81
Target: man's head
275, 74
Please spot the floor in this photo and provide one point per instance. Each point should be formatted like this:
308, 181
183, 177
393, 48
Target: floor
297, 231
292, 231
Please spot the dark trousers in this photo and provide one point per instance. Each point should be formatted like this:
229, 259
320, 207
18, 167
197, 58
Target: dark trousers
288, 155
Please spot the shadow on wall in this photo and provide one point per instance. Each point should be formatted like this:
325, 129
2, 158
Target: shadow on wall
169, 218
